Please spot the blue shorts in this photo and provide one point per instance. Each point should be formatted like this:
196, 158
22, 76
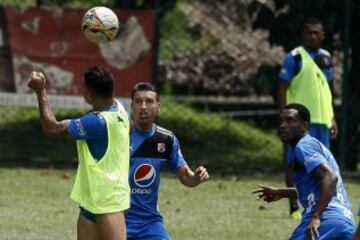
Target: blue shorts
88, 215
149, 231
330, 229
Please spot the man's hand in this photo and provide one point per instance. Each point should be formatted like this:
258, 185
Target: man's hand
36, 81
192, 178
268, 194
312, 229
201, 175
334, 129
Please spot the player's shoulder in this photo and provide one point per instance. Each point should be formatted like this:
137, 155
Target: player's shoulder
292, 57
120, 106
92, 116
324, 52
308, 142
164, 132
295, 52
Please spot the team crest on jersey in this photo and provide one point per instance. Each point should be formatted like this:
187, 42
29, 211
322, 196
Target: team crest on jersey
144, 175
161, 147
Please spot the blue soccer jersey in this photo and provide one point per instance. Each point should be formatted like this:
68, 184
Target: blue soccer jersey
292, 64
149, 152
92, 127
310, 153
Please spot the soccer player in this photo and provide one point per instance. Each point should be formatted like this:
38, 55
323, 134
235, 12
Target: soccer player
152, 147
102, 138
319, 187
306, 77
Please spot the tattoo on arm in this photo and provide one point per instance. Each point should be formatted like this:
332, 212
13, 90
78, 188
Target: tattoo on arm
50, 125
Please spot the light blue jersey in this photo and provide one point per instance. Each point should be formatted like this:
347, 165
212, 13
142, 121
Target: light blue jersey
309, 153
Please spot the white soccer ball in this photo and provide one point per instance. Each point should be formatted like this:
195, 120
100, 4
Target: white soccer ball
100, 24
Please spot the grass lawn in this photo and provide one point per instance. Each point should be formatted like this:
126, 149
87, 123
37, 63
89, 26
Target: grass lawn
35, 205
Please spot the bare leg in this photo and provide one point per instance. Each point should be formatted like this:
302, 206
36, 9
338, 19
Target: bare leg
111, 226
86, 229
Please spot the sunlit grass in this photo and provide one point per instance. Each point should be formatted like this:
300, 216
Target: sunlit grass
35, 205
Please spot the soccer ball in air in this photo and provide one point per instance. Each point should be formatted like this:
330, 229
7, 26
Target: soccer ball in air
100, 24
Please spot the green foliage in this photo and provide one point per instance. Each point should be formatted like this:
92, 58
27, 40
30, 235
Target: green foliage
25, 140
177, 35
22, 3
222, 144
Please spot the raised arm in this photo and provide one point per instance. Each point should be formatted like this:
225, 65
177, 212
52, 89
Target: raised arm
50, 126
191, 178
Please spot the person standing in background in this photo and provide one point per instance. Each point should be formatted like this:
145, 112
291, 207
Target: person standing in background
306, 77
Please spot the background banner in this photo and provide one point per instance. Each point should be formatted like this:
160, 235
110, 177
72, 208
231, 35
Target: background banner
52, 40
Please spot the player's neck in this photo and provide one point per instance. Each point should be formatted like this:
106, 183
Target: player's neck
101, 104
312, 50
295, 141
143, 127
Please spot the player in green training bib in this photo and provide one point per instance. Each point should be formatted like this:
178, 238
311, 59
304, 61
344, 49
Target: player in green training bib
102, 139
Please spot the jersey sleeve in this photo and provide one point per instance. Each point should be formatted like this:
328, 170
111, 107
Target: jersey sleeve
329, 73
287, 69
308, 154
176, 158
325, 62
90, 126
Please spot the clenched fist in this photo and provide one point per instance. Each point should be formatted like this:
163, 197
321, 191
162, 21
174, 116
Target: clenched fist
36, 81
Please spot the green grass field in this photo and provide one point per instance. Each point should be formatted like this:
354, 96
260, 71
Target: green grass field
35, 205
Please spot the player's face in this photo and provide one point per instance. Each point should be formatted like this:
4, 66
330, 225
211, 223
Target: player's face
313, 35
145, 107
291, 128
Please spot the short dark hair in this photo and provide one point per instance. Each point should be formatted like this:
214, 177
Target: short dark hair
310, 21
145, 86
100, 80
303, 112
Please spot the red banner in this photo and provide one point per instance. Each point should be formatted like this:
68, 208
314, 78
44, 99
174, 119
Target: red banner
52, 40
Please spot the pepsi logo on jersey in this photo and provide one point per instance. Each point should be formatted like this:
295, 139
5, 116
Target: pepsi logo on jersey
144, 176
